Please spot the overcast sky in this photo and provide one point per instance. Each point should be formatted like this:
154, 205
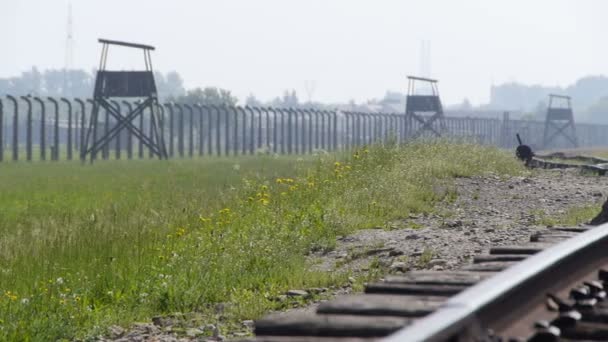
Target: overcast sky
351, 49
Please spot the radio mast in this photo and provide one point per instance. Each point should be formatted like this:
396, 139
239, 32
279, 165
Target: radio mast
69, 54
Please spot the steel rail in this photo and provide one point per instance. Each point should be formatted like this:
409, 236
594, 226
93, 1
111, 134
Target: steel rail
496, 301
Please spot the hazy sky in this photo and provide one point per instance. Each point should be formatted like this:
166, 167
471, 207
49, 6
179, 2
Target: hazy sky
352, 49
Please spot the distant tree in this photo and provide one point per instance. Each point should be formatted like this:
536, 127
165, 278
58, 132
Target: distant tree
392, 97
170, 85
208, 96
598, 112
466, 104
289, 100
252, 101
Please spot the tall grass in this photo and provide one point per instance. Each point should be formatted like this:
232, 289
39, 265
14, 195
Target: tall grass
83, 247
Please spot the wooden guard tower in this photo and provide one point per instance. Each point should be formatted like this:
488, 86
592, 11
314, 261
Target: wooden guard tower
425, 109
124, 84
559, 121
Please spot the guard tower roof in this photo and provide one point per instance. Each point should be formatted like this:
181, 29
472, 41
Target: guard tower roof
133, 45
560, 96
422, 79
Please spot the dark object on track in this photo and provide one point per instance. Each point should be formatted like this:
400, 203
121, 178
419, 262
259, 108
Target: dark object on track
523, 152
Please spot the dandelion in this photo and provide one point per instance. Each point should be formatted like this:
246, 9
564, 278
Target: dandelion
180, 232
10, 295
264, 188
264, 201
280, 181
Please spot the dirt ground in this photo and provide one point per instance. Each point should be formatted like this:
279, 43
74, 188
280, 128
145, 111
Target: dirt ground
487, 211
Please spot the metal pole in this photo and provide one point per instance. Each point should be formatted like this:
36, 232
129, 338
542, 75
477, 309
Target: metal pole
274, 128
218, 138
282, 129
335, 127
80, 132
118, 147
94, 120
161, 124
201, 142
209, 111
171, 133
55, 149
289, 127
226, 129
69, 137
251, 131
267, 128
15, 127
235, 139
28, 133
129, 133
190, 131
42, 129
259, 126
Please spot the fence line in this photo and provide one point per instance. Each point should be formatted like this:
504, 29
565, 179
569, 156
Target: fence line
32, 128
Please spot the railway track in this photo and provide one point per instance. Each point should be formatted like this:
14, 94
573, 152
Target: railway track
550, 289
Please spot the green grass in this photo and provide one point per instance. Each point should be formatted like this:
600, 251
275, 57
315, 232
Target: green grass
83, 247
572, 217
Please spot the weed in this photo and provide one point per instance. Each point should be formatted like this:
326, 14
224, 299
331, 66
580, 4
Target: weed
426, 257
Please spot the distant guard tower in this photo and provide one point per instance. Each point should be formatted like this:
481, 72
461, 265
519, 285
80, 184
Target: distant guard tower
124, 84
425, 109
559, 121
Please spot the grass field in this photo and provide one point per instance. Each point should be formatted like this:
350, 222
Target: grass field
83, 247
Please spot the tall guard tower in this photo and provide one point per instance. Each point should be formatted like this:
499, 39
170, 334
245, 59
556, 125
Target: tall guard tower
559, 121
124, 84
425, 109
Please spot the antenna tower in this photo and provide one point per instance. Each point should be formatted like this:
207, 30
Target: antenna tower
69, 53
309, 87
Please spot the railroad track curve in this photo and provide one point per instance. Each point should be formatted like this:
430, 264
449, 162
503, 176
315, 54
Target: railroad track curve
550, 289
